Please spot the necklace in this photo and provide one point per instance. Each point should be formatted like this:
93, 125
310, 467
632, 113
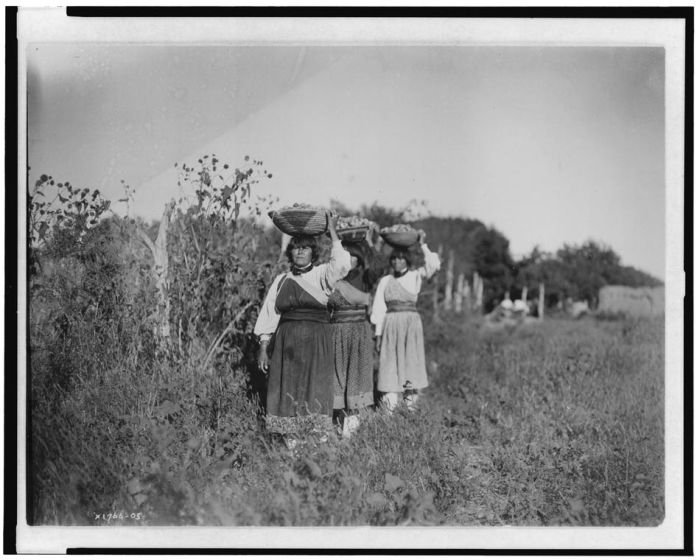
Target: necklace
297, 270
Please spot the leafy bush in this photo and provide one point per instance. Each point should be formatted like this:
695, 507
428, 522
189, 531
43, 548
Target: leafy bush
90, 348
218, 269
108, 400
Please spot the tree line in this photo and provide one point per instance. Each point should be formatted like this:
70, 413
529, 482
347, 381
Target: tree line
573, 271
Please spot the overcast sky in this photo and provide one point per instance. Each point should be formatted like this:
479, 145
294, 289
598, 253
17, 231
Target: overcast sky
550, 145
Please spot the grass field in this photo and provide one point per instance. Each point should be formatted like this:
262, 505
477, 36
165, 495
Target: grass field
557, 423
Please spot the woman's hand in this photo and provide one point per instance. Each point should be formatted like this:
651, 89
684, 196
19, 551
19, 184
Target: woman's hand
263, 359
421, 236
378, 344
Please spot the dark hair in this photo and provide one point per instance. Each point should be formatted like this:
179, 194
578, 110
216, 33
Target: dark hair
356, 251
303, 241
400, 254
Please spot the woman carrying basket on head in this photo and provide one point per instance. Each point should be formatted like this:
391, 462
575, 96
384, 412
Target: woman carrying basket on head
399, 329
352, 340
300, 367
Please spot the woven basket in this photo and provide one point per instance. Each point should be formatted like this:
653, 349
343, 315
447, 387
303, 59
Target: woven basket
300, 221
401, 239
359, 233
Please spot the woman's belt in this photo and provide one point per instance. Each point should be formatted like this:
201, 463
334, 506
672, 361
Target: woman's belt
350, 315
395, 307
314, 315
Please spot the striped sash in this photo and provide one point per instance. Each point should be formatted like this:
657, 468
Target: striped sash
350, 315
398, 306
314, 315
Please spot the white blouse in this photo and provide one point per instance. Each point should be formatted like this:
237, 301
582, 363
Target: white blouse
411, 281
323, 277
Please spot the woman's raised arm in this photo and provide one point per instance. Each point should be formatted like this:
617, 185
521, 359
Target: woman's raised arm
339, 264
432, 260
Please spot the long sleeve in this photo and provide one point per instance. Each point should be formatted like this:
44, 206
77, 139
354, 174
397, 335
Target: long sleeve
337, 267
379, 307
432, 262
268, 318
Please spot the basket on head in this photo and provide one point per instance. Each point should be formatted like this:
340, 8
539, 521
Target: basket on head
400, 236
354, 229
300, 220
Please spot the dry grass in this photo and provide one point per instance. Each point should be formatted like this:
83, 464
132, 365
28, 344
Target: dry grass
560, 423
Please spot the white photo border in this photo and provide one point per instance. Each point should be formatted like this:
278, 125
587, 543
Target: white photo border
51, 25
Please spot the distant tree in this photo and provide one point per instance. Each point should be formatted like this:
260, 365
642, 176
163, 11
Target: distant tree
529, 271
578, 272
453, 234
630, 276
556, 279
494, 263
589, 267
341, 208
382, 215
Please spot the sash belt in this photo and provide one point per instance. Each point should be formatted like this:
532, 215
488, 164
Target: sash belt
395, 307
357, 315
314, 315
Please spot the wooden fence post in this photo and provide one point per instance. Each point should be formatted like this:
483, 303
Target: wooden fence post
459, 293
436, 306
540, 303
449, 281
478, 292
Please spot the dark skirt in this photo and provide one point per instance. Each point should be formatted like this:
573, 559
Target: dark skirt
300, 386
354, 365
